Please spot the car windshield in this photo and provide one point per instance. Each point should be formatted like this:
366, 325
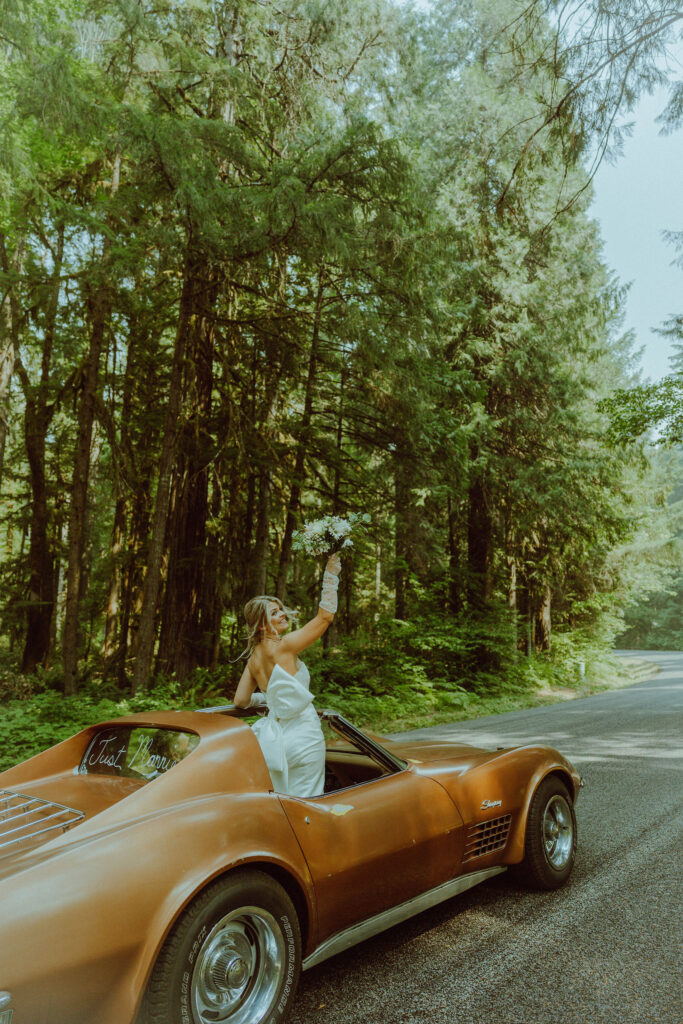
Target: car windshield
136, 752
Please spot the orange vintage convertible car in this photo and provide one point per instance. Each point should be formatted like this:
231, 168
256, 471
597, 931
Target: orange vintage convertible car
150, 875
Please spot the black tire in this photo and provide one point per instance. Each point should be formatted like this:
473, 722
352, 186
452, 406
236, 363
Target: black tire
233, 957
550, 843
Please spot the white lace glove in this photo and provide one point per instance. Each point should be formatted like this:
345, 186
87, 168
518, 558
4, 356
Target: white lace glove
257, 699
328, 598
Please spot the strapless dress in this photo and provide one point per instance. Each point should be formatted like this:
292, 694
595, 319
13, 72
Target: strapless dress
290, 735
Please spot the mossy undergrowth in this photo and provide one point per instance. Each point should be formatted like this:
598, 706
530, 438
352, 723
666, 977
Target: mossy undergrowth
417, 687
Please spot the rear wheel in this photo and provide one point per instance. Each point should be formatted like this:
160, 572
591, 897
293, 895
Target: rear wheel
550, 845
234, 957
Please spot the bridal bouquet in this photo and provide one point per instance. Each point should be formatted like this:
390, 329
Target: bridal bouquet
329, 534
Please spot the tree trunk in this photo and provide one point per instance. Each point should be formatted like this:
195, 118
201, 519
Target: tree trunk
257, 572
132, 575
258, 568
511, 561
41, 567
150, 595
512, 583
479, 548
248, 530
185, 641
543, 621
378, 578
87, 560
113, 597
122, 510
9, 336
401, 499
302, 446
100, 306
38, 416
479, 541
524, 643
410, 562
339, 446
212, 598
345, 597
454, 598
57, 624
331, 634
99, 309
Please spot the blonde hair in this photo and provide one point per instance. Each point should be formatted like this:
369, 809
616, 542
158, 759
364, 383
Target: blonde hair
257, 616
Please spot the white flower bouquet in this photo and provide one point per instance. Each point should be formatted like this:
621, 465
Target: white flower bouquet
327, 535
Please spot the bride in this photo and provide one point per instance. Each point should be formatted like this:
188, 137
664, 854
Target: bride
290, 736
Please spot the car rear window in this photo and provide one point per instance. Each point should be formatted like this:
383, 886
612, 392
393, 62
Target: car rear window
136, 753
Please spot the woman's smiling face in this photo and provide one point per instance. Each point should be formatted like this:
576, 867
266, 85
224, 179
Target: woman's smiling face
278, 618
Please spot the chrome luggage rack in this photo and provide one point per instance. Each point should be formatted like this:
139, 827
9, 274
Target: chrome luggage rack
27, 819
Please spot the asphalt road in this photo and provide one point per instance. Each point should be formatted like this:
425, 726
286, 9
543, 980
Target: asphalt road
603, 950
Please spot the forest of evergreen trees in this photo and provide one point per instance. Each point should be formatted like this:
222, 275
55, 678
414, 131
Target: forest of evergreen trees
266, 260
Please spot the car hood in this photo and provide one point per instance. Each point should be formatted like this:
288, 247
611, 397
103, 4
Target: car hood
429, 751
502, 774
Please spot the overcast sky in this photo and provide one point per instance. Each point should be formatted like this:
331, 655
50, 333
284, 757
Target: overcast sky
636, 199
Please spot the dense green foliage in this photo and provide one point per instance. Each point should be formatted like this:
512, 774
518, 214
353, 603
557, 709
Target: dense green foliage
262, 262
656, 624
655, 620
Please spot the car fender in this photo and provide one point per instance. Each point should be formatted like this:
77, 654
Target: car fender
492, 785
553, 764
103, 905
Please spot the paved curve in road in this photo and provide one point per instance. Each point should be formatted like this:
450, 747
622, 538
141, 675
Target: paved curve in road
603, 950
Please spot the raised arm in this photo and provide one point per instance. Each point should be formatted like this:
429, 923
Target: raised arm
302, 638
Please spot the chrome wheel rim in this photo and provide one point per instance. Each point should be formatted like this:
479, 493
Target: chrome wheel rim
558, 832
238, 969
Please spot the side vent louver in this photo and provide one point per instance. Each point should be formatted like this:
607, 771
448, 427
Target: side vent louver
25, 820
486, 837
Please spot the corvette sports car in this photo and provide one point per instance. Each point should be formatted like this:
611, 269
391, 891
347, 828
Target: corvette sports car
150, 875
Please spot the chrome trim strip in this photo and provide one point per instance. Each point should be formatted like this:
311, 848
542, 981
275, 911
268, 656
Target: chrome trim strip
6, 1011
373, 925
232, 711
227, 709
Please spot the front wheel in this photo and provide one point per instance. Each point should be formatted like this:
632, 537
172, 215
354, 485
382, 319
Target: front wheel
234, 957
550, 844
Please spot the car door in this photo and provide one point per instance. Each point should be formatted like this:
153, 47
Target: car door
375, 845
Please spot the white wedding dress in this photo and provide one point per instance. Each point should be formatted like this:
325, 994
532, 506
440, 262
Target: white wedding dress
290, 735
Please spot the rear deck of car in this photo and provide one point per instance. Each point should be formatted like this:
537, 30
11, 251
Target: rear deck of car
45, 808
